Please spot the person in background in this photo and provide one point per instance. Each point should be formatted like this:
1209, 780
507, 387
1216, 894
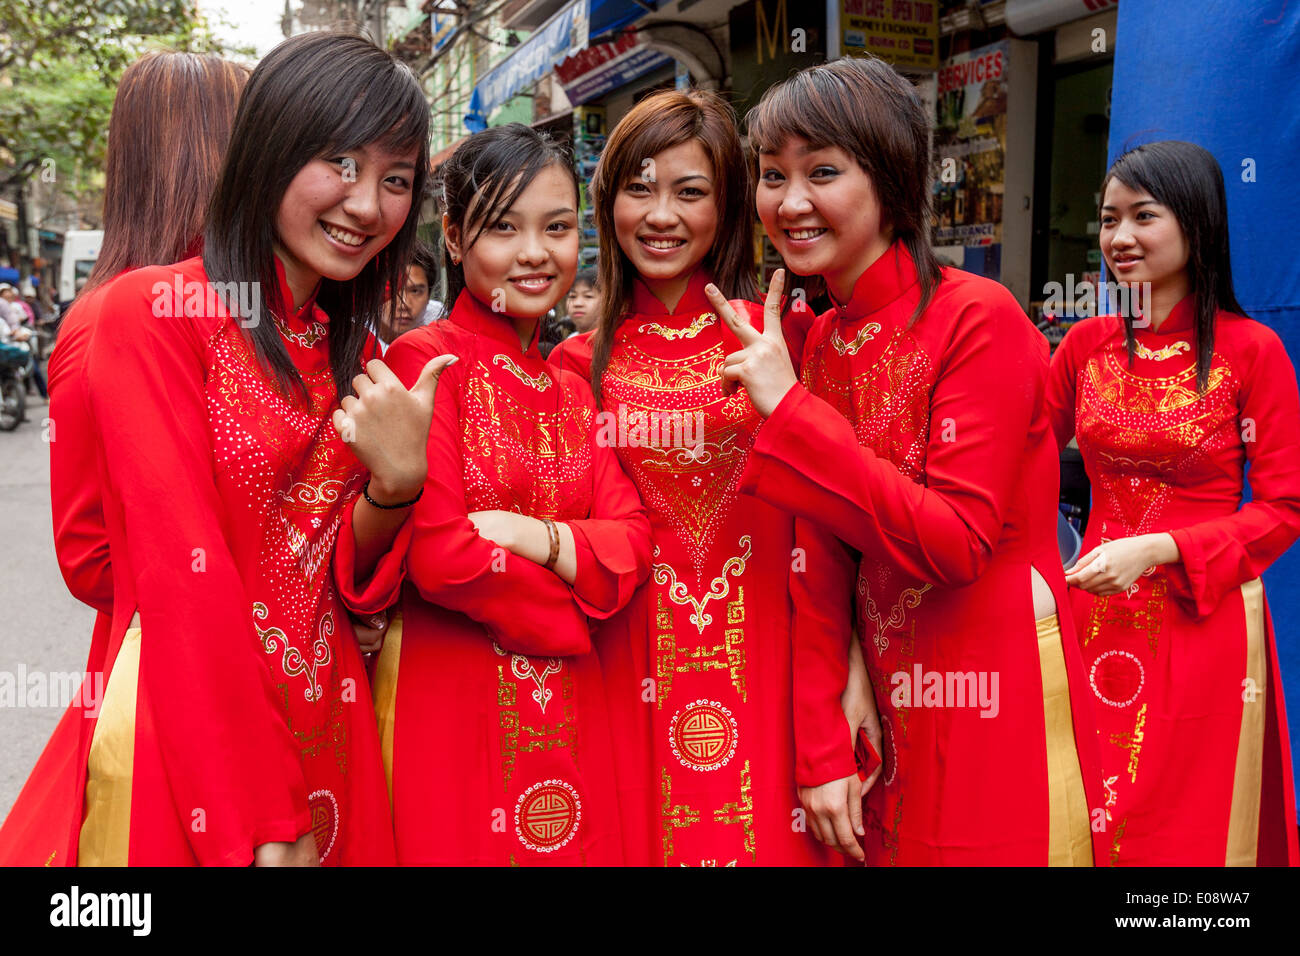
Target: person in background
555, 329
580, 303
17, 318
32, 303
20, 299
412, 305
12, 313
143, 225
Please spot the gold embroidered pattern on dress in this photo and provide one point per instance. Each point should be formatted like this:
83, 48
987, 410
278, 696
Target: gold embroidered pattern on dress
884, 402
742, 812
701, 322
907, 599
541, 381
504, 438
673, 817
1159, 355
865, 335
1150, 433
634, 368
1147, 616
718, 588
292, 660
524, 668
324, 493
670, 660
1132, 742
305, 339
508, 722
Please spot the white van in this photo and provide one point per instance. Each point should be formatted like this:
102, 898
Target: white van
80, 250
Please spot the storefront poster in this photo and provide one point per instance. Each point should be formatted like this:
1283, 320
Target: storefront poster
969, 143
902, 32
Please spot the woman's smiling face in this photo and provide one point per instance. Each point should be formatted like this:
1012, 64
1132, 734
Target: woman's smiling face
821, 212
666, 216
523, 264
1142, 241
338, 213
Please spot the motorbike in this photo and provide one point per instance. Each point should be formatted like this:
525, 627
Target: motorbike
15, 368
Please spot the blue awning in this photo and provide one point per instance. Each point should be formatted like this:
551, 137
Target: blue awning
606, 16
567, 31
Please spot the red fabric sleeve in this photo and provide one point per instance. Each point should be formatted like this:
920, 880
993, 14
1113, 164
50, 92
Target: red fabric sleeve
1220, 555
384, 586
76, 503
80, 536
807, 459
224, 743
522, 605
821, 587
613, 544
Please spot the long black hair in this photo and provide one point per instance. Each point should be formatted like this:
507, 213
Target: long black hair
314, 96
483, 178
1187, 179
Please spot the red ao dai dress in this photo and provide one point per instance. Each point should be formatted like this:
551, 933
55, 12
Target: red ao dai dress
925, 449
1182, 667
238, 712
490, 701
697, 668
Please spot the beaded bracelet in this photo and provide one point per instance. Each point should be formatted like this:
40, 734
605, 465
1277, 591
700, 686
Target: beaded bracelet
365, 490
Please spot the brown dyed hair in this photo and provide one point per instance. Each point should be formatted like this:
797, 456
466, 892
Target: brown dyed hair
659, 122
170, 125
863, 106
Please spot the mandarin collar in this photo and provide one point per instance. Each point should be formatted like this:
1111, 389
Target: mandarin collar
304, 315
883, 281
1180, 319
693, 300
475, 317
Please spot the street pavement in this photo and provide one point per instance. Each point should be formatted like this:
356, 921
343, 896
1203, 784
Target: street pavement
43, 628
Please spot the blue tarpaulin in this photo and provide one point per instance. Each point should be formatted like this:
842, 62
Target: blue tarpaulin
1222, 74
564, 34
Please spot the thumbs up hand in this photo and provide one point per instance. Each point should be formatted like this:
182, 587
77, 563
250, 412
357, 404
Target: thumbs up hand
763, 365
387, 427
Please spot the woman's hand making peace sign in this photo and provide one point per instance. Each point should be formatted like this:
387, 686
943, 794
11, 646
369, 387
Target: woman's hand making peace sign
763, 364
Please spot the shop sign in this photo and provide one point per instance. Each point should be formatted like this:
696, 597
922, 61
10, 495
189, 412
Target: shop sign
902, 32
599, 69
